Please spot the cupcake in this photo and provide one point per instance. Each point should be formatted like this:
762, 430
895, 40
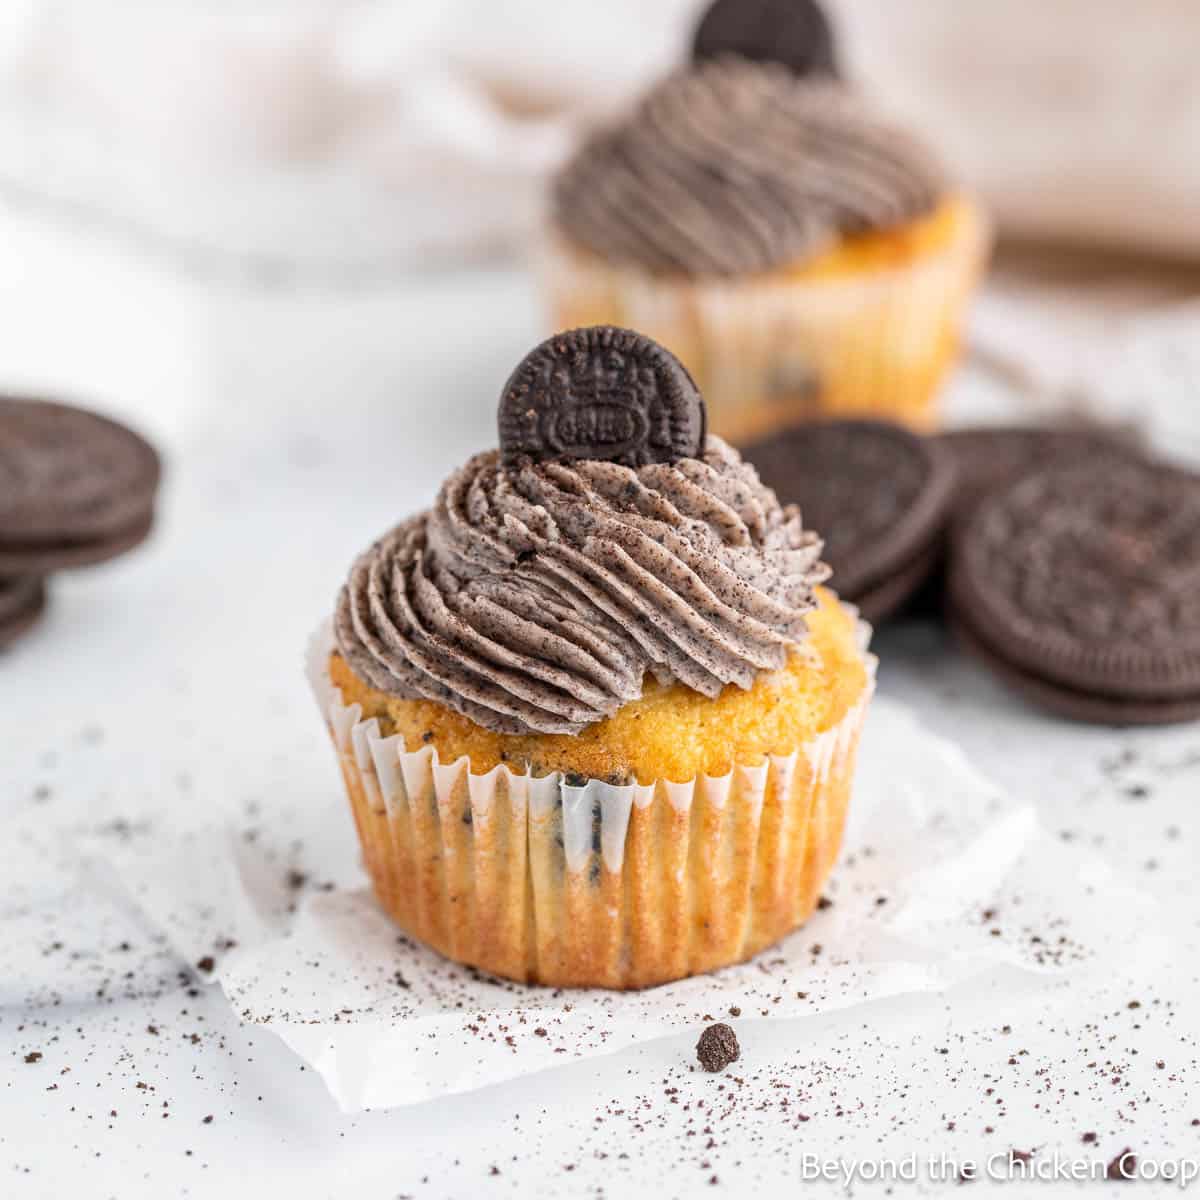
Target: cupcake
595, 710
801, 253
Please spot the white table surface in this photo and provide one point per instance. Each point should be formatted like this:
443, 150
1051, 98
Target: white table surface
298, 423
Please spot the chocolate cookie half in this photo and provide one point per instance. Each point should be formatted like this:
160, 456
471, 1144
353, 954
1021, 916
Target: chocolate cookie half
22, 601
878, 492
795, 33
75, 487
1081, 586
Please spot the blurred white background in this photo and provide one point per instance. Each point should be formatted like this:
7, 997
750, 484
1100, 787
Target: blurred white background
353, 135
343, 142
345, 134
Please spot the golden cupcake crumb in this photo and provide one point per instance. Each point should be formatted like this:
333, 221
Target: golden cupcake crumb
884, 249
670, 733
868, 327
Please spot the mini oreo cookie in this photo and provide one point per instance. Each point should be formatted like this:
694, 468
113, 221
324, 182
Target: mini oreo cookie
75, 487
877, 492
795, 33
22, 601
1082, 587
601, 393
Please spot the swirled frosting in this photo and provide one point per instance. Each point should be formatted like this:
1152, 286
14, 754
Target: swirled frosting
733, 166
535, 598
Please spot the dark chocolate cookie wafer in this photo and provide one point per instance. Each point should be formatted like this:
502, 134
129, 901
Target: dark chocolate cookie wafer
75, 487
990, 456
877, 492
887, 598
601, 393
22, 601
1083, 585
1077, 705
42, 559
795, 33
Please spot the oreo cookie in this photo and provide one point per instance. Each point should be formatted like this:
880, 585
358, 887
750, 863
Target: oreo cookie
877, 493
1081, 587
41, 558
795, 33
600, 393
22, 601
75, 487
989, 457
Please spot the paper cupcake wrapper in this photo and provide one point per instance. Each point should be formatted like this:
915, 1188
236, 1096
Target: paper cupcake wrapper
768, 351
594, 885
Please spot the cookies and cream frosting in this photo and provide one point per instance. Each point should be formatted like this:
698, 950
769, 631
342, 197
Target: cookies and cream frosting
732, 167
535, 598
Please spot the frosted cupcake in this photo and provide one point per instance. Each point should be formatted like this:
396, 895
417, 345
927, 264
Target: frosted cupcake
801, 253
596, 714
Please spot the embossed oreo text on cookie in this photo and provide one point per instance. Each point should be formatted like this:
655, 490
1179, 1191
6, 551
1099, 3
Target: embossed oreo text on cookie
1081, 586
601, 393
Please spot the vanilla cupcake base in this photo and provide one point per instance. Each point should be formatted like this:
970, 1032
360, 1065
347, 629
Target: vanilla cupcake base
870, 332
592, 884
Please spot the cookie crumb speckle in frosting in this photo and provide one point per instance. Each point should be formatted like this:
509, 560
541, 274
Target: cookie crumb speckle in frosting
534, 597
734, 166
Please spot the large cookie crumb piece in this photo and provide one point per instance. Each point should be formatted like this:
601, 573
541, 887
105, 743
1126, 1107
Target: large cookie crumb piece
1123, 1167
717, 1047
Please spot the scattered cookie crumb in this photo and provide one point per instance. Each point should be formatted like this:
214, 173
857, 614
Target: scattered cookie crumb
1123, 1167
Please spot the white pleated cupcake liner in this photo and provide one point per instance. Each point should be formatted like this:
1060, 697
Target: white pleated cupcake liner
592, 884
769, 350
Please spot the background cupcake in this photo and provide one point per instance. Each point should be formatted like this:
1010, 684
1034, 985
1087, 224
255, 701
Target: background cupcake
597, 717
799, 252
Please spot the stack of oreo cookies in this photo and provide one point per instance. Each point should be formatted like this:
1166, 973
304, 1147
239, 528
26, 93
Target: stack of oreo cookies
881, 496
75, 489
1065, 559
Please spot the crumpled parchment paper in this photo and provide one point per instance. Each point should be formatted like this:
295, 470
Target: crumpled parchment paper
942, 880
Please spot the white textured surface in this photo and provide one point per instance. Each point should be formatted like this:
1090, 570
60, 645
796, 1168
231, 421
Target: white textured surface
938, 842
299, 424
